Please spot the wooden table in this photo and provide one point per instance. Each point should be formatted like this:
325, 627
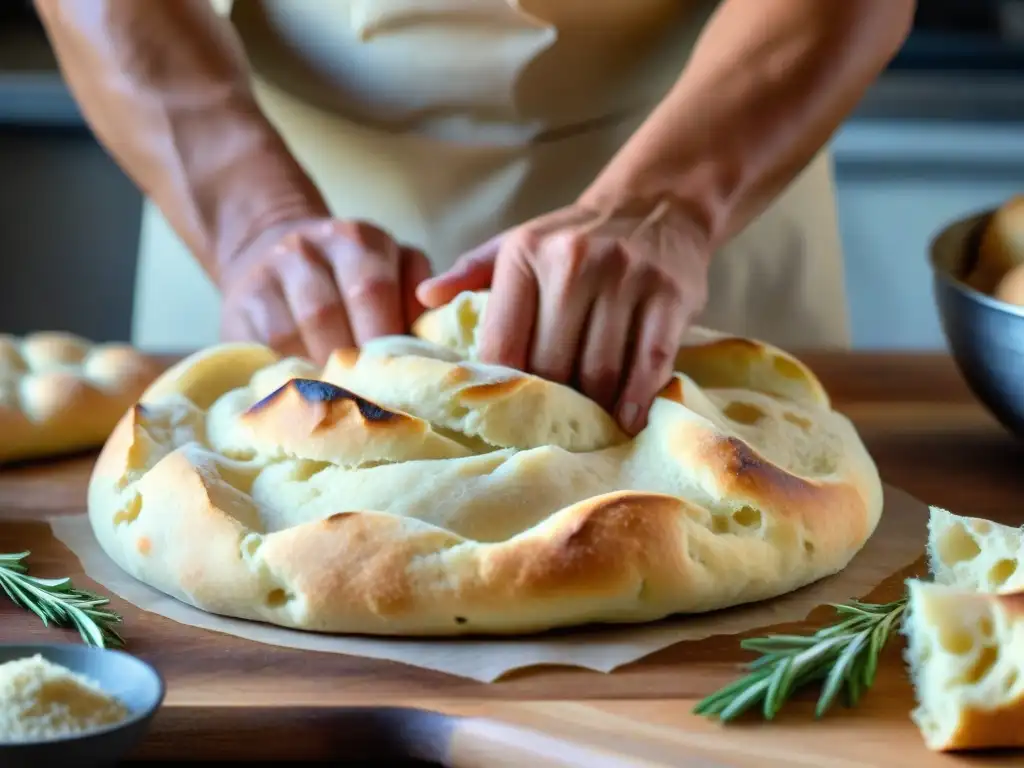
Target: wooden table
228, 698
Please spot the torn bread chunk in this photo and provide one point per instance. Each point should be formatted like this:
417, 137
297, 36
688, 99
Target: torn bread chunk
965, 650
973, 553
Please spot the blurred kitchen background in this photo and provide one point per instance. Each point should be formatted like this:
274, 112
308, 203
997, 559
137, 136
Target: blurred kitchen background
941, 134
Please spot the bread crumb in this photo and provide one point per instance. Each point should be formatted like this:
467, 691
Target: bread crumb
41, 700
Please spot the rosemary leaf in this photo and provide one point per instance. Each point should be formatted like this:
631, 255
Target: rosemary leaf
717, 701
778, 688
58, 603
768, 660
843, 657
839, 673
853, 690
878, 639
745, 700
778, 643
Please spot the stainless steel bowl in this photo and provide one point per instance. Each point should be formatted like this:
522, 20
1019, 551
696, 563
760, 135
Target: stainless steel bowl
985, 336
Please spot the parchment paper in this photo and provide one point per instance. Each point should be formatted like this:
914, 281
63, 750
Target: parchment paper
898, 541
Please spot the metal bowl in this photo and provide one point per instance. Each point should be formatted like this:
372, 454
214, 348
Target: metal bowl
138, 686
985, 336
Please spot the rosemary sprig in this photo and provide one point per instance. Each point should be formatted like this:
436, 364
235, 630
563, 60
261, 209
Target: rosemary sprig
58, 602
844, 656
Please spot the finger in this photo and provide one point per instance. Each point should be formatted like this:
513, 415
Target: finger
567, 293
507, 328
415, 268
264, 316
473, 271
662, 320
235, 324
604, 350
366, 266
314, 300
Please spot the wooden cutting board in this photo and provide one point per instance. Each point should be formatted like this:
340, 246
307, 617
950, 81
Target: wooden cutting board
231, 699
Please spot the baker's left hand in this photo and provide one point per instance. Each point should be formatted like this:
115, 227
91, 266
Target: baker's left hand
596, 300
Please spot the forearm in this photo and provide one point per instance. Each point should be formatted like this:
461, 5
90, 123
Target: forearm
165, 87
767, 85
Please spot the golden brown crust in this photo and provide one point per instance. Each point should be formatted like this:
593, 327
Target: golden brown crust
746, 364
499, 406
318, 421
417, 494
60, 393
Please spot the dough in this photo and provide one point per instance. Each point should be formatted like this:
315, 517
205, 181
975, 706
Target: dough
406, 489
965, 635
60, 393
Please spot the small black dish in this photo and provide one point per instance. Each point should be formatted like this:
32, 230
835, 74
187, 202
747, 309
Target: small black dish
134, 682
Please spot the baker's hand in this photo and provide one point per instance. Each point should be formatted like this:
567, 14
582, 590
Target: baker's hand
596, 300
308, 287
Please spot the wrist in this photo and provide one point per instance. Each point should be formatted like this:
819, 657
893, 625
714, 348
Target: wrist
644, 178
688, 213
673, 156
263, 189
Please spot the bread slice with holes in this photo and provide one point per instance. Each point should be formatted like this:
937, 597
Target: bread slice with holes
974, 553
966, 655
409, 489
61, 393
965, 635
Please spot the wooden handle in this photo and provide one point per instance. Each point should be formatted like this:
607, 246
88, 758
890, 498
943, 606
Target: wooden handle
480, 743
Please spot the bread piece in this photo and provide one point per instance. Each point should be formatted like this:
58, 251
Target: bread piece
60, 393
966, 655
973, 553
426, 494
965, 635
1011, 287
1001, 247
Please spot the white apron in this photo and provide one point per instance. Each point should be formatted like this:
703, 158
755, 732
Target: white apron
448, 121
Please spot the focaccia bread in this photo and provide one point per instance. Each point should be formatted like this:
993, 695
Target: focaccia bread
60, 393
965, 635
407, 489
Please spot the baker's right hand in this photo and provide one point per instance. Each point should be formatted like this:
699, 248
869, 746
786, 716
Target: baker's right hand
309, 287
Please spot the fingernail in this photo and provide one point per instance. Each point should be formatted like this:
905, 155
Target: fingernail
629, 413
426, 288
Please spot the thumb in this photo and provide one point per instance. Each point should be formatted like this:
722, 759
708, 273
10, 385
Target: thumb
471, 272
